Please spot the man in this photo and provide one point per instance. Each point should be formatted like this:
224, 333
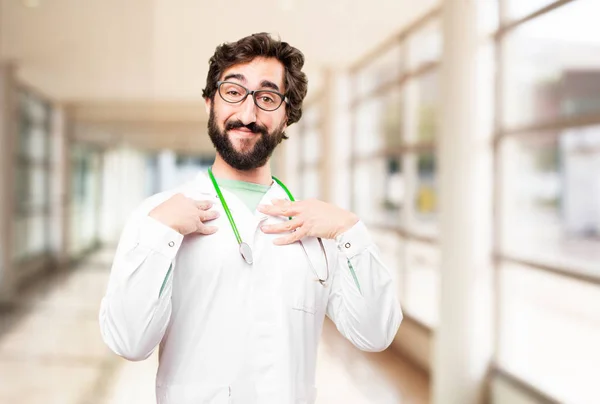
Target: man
230, 275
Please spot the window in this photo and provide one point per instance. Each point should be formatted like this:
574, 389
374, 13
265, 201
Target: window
368, 137
32, 171
551, 198
382, 70
427, 112
424, 218
379, 190
549, 332
425, 45
552, 73
548, 197
85, 199
394, 159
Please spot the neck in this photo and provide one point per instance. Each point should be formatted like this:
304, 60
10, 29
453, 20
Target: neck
260, 175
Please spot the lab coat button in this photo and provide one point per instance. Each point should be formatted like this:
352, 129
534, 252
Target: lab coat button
171, 243
347, 245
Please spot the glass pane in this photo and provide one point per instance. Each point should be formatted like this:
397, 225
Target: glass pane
551, 198
379, 123
427, 96
311, 115
21, 188
392, 119
38, 143
422, 282
311, 145
310, 183
33, 132
379, 191
32, 188
36, 234
394, 191
24, 132
553, 72
75, 241
38, 186
20, 241
391, 246
424, 220
85, 183
487, 16
425, 46
367, 134
385, 68
549, 332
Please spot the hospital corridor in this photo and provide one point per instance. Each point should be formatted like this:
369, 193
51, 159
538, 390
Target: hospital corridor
464, 135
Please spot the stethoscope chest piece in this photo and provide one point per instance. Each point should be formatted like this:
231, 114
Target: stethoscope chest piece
246, 253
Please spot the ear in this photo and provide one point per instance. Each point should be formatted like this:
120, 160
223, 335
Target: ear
207, 103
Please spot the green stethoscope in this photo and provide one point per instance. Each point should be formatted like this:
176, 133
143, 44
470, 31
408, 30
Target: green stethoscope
245, 249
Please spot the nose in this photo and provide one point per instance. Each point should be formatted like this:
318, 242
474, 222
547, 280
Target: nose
248, 111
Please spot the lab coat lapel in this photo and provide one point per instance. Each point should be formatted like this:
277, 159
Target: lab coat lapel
242, 217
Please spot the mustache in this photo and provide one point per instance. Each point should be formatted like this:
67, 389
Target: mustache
253, 127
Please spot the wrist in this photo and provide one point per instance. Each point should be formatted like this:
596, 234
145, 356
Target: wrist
159, 218
350, 220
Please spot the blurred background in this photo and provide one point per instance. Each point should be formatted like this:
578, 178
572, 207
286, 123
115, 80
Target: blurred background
466, 134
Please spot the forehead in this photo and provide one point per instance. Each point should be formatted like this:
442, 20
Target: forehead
258, 70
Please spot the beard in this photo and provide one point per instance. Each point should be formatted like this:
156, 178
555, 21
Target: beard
255, 156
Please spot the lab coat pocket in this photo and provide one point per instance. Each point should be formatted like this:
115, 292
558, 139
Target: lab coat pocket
308, 294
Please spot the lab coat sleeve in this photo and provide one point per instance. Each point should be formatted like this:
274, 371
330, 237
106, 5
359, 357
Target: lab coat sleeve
136, 308
362, 302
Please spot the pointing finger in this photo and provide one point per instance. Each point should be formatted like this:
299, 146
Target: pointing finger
204, 205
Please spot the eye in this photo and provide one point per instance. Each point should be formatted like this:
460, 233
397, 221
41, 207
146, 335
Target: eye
267, 99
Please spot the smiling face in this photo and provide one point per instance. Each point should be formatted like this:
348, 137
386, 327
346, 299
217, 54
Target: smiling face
243, 134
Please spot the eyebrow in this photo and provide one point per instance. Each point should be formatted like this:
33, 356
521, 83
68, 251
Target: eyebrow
263, 84
269, 84
237, 76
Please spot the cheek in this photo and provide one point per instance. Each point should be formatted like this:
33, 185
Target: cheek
274, 121
223, 116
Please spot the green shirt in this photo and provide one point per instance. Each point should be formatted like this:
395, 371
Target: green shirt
250, 193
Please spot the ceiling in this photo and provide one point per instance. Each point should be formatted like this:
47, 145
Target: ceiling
130, 58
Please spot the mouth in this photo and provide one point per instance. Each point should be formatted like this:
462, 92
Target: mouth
242, 132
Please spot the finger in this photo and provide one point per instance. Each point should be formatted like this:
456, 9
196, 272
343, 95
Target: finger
291, 238
204, 205
207, 215
204, 229
289, 209
281, 227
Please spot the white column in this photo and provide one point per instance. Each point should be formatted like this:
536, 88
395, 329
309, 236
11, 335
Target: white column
463, 341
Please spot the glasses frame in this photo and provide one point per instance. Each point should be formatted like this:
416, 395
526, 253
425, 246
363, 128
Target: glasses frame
253, 93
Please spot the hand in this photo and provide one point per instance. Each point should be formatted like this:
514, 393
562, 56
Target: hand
311, 218
185, 215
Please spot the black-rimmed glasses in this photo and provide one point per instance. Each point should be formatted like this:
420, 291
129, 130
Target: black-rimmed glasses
234, 93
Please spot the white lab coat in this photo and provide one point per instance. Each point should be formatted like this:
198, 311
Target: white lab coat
230, 332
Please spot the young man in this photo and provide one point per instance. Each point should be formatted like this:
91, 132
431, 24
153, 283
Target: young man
230, 275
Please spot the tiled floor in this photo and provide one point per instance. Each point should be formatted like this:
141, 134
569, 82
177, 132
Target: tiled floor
51, 353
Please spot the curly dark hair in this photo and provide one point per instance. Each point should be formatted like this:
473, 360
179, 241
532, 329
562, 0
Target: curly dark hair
262, 45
